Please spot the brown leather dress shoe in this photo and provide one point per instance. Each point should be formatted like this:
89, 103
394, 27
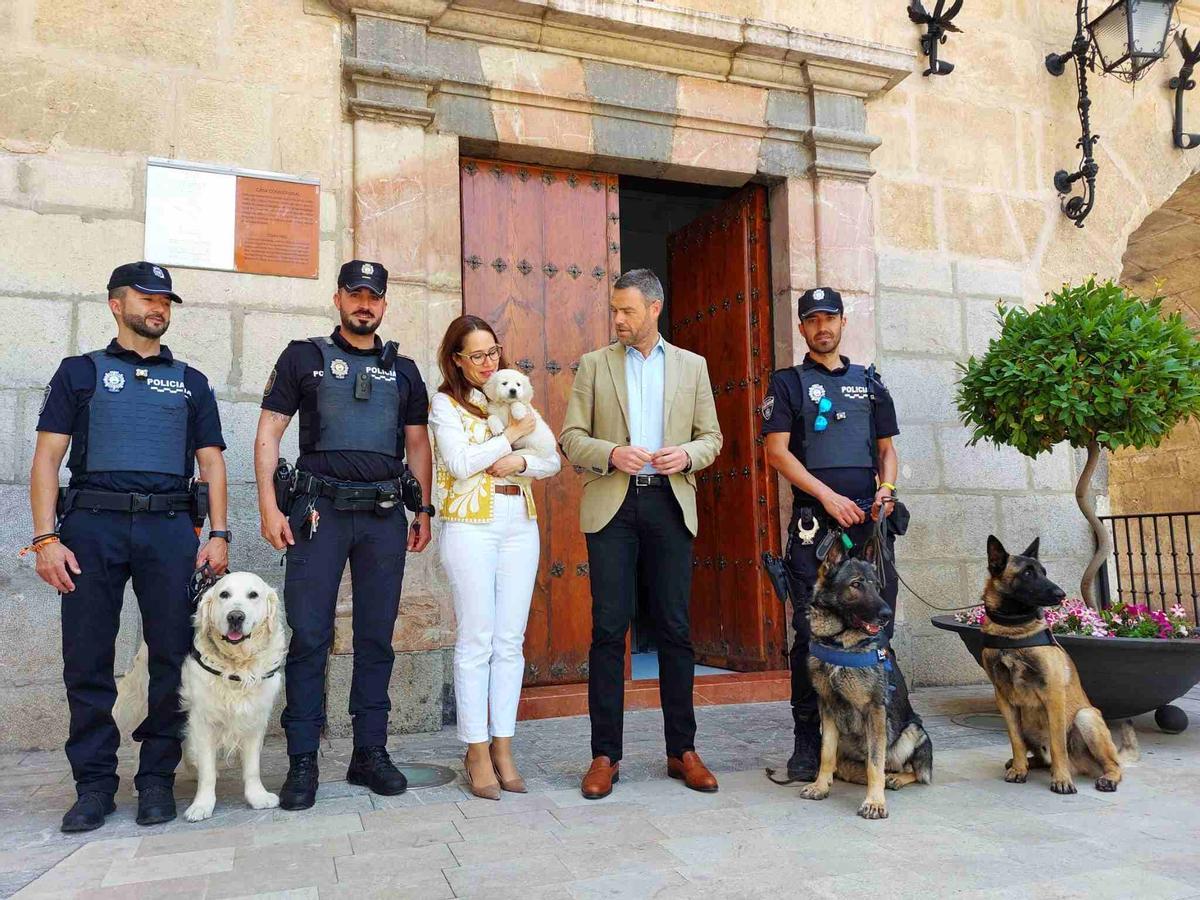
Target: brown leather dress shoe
693, 772
600, 778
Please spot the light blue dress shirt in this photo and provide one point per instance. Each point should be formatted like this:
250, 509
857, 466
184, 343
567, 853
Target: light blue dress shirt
645, 380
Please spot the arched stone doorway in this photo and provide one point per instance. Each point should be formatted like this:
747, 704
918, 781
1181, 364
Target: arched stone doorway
1164, 248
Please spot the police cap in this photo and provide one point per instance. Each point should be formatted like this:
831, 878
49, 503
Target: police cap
358, 273
823, 299
145, 277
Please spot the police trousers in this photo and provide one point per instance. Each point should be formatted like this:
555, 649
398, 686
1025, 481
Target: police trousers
801, 565
375, 548
158, 551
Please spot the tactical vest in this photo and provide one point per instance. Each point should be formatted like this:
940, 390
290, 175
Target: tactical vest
137, 417
348, 420
847, 442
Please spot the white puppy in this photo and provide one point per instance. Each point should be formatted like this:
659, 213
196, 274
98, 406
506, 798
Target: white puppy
509, 395
228, 692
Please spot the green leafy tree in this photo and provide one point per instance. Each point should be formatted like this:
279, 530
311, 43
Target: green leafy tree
1096, 366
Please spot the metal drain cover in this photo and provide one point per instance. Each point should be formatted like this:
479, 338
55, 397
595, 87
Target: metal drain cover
420, 775
981, 721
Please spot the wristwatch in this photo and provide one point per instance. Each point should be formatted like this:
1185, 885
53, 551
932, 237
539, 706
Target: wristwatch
428, 510
228, 535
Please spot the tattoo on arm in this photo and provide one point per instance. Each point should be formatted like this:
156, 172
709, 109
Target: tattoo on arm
278, 417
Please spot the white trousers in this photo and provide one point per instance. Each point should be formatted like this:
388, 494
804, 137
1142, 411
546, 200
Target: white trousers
492, 567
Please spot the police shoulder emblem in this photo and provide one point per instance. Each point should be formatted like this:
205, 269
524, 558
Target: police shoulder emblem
270, 382
768, 406
816, 392
113, 381
340, 368
45, 398
368, 269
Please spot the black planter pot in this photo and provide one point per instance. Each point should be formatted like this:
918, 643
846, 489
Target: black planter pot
1122, 677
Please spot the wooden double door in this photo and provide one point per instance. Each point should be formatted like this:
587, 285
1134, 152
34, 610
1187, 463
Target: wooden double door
541, 249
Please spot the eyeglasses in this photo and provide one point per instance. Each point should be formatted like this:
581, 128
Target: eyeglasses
822, 421
480, 355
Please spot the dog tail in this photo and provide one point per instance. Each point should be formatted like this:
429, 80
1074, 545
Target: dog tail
1127, 743
133, 691
922, 758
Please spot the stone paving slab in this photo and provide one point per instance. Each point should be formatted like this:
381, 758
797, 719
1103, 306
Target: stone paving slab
969, 834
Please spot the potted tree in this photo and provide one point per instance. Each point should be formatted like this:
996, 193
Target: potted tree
1096, 367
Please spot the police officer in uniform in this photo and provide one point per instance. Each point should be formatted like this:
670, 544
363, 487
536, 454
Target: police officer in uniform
828, 425
363, 409
136, 420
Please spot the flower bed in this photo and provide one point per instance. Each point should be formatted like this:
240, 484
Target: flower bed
1126, 620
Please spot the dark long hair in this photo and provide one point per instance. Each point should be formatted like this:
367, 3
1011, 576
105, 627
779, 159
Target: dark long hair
454, 382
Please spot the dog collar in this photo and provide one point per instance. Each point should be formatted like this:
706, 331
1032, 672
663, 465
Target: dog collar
1013, 620
1041, 638
207, 668
873, 653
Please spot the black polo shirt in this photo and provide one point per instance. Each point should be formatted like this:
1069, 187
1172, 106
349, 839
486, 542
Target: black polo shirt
292, 388
786, 413
65, 407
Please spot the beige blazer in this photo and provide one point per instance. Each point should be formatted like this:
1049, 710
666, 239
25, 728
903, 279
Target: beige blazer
597, 420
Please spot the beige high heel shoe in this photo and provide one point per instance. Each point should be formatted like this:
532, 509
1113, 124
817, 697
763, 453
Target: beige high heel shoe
487, 791
512, 785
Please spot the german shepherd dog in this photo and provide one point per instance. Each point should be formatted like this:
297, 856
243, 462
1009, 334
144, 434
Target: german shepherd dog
869, 732
1037, 688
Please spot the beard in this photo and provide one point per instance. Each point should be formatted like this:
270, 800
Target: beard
823, 343
138, 325
355, 326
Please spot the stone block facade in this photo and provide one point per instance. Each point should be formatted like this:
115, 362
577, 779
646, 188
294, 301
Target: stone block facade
926, 201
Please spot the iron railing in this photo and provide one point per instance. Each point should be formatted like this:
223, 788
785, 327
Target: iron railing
1156, 557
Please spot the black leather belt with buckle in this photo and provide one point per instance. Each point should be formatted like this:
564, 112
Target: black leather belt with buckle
650, 481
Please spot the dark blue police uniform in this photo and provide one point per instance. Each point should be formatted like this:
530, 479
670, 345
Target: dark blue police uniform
842, 456
351, 438
135, 425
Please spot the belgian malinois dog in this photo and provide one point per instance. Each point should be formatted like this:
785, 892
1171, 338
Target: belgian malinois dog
1037, 688
870, 733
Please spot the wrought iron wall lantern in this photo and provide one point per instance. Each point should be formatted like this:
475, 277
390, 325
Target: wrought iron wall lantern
1181, 83
1125, 40
936, 25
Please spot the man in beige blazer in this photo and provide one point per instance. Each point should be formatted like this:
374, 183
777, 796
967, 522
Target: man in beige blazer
641, 422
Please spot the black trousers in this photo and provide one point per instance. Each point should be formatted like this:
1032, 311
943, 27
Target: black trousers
646, 536
802, 568
375, 548
158, 551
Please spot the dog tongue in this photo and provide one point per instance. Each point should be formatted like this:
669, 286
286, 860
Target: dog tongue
871, 629
234, 635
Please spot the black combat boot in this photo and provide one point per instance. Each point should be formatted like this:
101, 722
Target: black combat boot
299, 789
88, 812
372, 767
806, 757
156, 804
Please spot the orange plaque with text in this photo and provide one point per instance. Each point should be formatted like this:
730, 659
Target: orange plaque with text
276, 227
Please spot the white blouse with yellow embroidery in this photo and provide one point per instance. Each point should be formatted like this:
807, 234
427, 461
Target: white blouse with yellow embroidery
463, 451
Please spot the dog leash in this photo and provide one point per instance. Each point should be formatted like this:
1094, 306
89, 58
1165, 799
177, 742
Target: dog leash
884, 555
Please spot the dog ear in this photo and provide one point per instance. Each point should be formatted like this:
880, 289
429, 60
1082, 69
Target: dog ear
202, 607
1032, 549
870, 551
997, 555
272, 609
833, 557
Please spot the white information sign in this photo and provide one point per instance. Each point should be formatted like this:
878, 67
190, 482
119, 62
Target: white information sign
190, 217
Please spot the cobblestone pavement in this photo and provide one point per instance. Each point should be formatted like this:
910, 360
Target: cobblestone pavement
969, 834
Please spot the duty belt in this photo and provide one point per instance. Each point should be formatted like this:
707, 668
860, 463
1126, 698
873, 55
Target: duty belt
119, 502
352, 496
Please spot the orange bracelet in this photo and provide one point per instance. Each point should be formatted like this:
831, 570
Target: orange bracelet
38, 545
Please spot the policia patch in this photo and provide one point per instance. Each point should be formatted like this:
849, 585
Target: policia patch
270, 382
768, 406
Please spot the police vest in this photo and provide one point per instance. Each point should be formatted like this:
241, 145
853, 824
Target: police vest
847, 441
137, 417
358, 404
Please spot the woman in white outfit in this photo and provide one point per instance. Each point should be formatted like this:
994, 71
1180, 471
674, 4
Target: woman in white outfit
489, 548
